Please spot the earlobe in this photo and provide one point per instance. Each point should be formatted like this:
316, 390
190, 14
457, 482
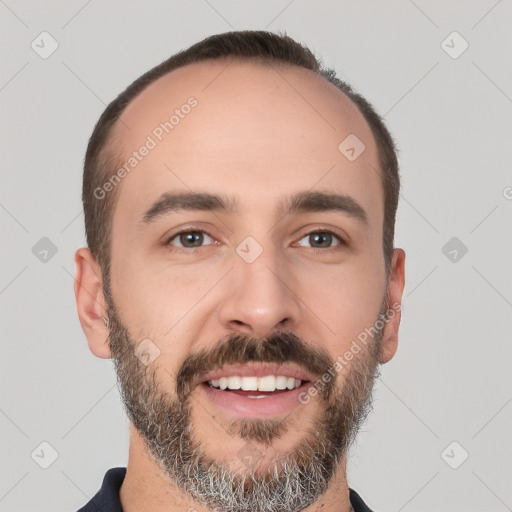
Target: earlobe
90, 303
396, 285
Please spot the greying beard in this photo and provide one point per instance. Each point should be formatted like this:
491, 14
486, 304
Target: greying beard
293, 481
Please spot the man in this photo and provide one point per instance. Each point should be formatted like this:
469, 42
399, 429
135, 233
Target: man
240, 206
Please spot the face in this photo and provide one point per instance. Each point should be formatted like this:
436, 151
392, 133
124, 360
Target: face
269, 290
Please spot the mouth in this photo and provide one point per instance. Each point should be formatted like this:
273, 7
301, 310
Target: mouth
255, 391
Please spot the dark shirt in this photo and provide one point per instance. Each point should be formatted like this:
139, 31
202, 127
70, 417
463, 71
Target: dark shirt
107, 498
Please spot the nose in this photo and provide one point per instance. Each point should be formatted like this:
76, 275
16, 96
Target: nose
259, 297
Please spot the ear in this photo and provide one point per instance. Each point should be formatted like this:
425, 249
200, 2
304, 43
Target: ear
90, 303
395, 289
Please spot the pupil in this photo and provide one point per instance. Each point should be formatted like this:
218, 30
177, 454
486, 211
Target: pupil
325, 236
188, 237
196, 238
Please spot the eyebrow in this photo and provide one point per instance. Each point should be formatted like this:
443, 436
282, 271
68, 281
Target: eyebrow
302, 202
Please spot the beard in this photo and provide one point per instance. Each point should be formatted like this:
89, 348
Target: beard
295, 479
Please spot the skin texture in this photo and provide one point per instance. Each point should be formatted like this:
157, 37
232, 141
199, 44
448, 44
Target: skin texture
258, 134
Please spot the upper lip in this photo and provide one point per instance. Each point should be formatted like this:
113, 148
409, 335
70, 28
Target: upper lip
258, 370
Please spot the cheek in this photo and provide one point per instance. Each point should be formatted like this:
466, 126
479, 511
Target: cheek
159, 300
346, 300
159, 308
168, 302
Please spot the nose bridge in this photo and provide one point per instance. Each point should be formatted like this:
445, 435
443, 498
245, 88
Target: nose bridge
259, 298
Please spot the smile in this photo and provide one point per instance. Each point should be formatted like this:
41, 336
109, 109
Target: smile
266, 383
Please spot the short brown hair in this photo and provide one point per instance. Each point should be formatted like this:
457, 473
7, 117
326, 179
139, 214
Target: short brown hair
261, 46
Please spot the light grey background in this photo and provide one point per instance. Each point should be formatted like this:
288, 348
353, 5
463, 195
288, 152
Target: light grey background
450, 380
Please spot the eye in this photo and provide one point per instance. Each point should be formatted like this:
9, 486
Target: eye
194, 238
324, 238
189, 239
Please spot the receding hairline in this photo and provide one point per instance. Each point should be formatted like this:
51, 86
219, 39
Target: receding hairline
113, 146
107, 145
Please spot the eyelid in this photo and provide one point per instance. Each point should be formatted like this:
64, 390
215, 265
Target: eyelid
343, 240
188, 229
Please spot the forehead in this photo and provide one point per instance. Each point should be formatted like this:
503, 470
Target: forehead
242, 129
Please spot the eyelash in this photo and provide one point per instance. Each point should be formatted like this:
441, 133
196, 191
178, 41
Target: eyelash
313, 249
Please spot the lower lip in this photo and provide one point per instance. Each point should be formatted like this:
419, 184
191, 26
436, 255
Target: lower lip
246, 407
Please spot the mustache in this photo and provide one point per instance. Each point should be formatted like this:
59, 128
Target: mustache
278, 348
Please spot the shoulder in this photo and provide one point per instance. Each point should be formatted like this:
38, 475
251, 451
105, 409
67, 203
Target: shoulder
107, 498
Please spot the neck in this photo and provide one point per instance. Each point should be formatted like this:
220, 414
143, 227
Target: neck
146, 488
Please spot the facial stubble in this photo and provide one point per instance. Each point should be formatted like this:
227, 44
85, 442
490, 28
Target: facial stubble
295, 479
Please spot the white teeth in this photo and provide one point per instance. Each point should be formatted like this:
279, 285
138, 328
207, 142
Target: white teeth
234, 382
266, 383
223, 383
281, 382
249, 383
